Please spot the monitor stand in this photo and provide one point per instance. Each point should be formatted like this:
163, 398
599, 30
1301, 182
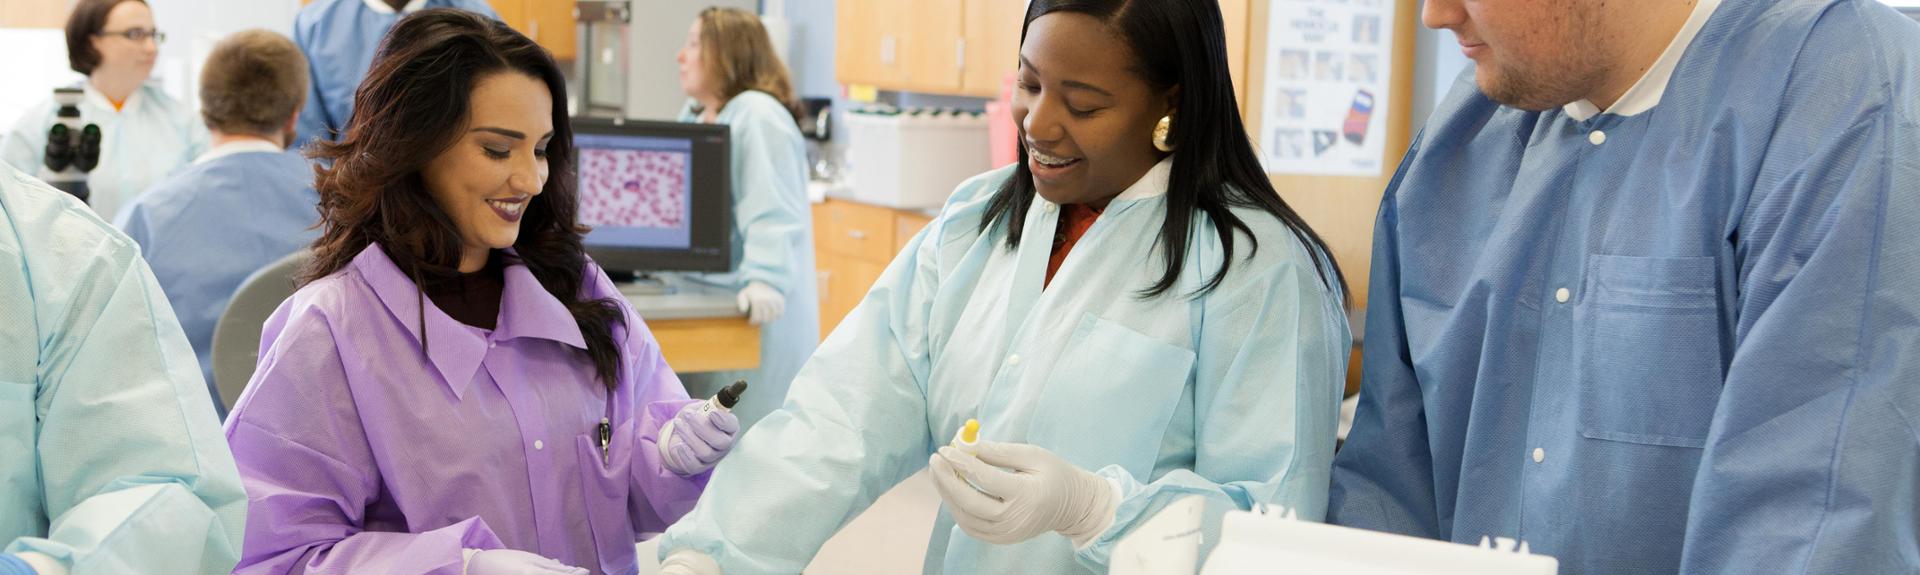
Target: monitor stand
640, 283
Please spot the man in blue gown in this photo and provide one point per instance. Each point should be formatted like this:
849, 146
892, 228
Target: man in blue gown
244, 204
1644, 292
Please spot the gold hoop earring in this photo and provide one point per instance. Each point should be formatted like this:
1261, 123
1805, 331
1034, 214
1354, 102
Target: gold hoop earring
1160, 133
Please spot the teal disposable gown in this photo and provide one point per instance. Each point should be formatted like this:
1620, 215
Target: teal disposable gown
1232, 395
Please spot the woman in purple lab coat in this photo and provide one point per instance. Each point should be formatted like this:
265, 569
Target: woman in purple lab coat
456, 388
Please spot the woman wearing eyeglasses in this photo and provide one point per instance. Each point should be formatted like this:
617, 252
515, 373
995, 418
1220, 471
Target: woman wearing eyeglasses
145, 134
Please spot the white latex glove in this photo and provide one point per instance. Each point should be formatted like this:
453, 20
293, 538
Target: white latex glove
696, 439
514, 562
1024, 491
43, 564
761, 303
689, 562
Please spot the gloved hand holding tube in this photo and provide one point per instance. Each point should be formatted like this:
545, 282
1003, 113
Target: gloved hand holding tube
697, 437
1005, 493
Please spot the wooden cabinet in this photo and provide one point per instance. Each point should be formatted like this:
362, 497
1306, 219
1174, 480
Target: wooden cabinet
854, 52
856, 230
993, 45
905, 226
552, 24
932, 46
548, 22
962, 47
913, 46
853, 244
899, 45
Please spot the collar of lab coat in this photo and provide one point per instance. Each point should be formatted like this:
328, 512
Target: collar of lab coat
526, 311
379, 7
99, 99
1151, 185
1646, 92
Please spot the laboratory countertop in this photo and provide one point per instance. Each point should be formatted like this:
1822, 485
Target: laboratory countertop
818, 192
681, 300
699, 327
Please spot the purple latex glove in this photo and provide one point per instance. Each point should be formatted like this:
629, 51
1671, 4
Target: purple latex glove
697, 438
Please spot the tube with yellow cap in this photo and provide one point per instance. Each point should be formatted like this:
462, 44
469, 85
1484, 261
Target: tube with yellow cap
967, 439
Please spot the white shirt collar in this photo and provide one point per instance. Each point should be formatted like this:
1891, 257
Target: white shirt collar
238, 147
1646, 93
379, 7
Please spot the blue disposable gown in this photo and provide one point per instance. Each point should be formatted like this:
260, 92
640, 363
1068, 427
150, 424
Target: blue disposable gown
1232, 395
340, 38
772, 243
1729, 383
149, 138
111, 459
213, 224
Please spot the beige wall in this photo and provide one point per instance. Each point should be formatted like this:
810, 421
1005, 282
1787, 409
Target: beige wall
33, 14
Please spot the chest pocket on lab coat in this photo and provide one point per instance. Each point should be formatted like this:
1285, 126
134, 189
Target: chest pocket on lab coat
1109, 399
604, 485
1649, 350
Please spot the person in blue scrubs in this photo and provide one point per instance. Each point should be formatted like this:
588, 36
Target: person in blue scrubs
1643, 292
1131, 312
339, 38
729, 69
243, 205
111, 458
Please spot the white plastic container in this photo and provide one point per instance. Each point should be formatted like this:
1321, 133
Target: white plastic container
1273, 542
913, 159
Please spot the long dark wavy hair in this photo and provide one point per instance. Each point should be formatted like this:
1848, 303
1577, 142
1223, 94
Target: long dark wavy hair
1180, 43
412, 107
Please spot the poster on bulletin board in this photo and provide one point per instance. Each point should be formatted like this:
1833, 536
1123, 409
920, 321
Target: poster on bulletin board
1329, 65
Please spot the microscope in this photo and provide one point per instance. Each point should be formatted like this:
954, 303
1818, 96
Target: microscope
73, 146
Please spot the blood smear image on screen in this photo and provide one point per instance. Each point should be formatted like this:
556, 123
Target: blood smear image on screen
633, 188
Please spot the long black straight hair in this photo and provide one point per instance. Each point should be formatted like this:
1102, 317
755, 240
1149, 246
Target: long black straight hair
1180, 43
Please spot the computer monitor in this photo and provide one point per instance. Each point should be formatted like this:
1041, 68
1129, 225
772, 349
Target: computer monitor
658, 195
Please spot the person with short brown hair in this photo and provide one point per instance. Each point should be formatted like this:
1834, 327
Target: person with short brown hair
252, 83
145, 135
244, 204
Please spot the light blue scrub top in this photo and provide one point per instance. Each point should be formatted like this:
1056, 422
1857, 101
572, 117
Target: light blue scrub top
209, 227
772, 243
340, 38
1732, 382
149, 138
1231, 395
106, 432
